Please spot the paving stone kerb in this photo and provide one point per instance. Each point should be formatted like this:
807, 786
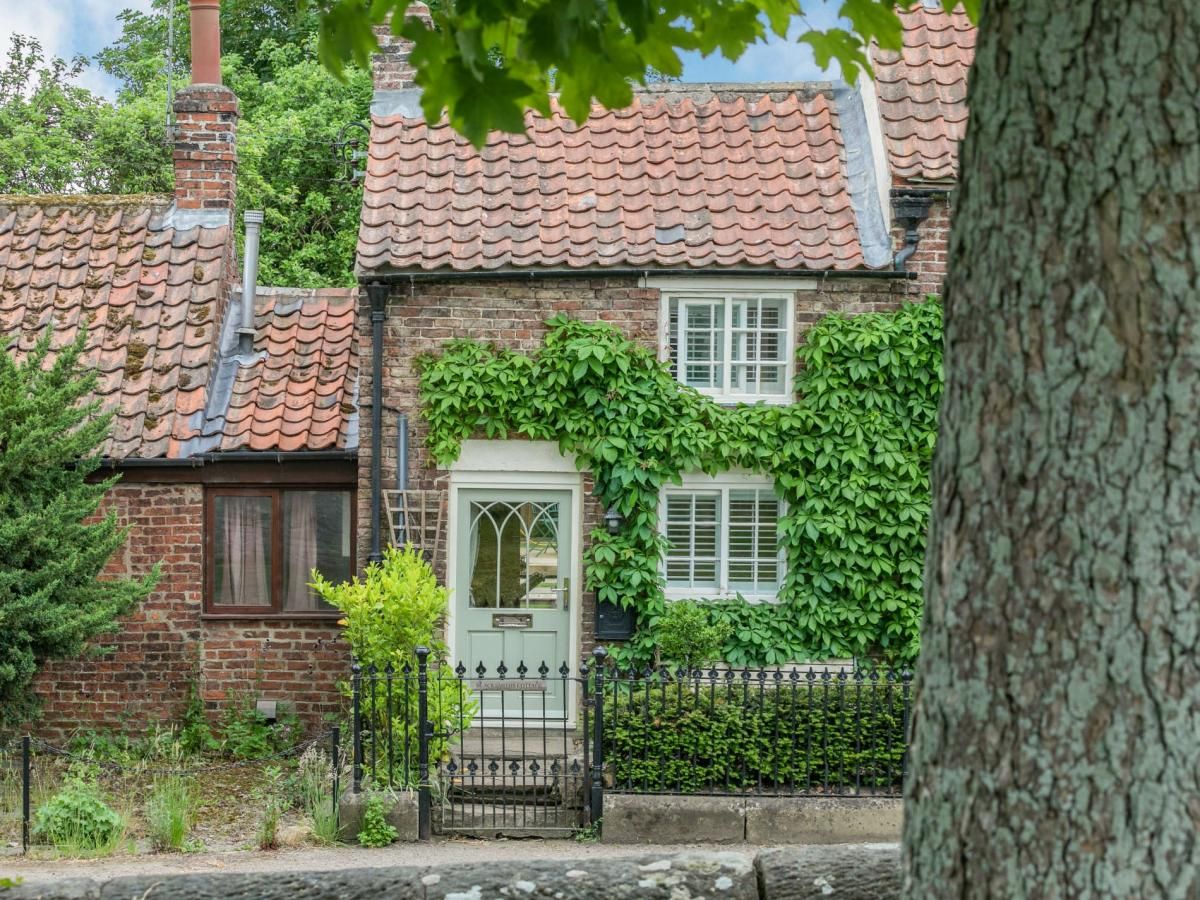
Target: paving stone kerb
657, 819
820, 820
729, 876
672, 819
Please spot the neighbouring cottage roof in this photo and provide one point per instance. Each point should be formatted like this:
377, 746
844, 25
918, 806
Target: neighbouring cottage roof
151, 297
922, 93
147, 294
303, 392
687, 176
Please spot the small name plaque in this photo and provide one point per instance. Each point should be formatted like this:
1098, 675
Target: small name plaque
508, 684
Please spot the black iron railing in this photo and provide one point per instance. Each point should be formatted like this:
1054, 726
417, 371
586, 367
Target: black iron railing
537, 748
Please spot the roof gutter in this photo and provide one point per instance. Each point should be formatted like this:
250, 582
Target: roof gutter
395, 277
257, 456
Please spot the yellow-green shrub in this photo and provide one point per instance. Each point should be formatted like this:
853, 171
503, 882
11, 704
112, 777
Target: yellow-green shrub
394, 608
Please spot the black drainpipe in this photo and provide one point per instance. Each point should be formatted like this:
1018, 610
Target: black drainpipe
910, 208
378, 294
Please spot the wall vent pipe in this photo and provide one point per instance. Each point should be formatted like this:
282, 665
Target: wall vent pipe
253, 219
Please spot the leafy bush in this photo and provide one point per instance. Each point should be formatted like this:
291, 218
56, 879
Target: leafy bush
376, 831
77, 820
687, 637
170, 812
394, 608
701, 735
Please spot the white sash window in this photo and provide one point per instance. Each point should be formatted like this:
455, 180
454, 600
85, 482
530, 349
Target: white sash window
735, 347
722, 537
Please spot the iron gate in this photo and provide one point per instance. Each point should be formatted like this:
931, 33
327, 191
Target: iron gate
485, 750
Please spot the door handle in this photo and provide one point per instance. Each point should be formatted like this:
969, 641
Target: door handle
564, 593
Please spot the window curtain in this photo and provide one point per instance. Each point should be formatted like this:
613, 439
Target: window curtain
245, 526
300, 550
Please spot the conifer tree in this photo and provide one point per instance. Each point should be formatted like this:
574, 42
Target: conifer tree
53, 546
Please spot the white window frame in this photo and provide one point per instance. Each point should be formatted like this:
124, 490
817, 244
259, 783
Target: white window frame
684, 293
721, 484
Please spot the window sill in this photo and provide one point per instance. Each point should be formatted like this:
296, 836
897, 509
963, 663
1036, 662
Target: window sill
749, 399
717, 596
330, 618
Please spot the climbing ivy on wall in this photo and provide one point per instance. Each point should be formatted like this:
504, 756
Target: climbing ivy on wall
850, 459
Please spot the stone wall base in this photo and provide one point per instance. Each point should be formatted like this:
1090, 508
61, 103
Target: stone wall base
400, 812
661, 819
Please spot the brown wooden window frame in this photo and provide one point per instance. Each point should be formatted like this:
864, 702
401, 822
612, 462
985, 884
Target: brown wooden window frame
275, 610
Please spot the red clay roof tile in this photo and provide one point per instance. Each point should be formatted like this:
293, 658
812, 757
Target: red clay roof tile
727, 178
301, 393
922, 93
151, 300
102, 265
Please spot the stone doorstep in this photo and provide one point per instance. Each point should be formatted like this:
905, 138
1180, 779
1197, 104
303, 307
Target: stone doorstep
518, 743
666, 819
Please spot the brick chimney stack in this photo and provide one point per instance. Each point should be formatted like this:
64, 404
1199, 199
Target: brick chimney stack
390, 68
206, 115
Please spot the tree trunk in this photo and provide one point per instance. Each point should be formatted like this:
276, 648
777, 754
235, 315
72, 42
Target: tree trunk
1057, 721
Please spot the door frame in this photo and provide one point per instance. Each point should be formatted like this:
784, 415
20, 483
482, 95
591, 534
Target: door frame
516, 465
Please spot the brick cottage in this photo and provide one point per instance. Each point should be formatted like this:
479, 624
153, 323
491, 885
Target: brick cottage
258, 432
235, 433
711, 223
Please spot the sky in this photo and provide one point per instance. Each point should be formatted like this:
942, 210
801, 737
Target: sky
69, 27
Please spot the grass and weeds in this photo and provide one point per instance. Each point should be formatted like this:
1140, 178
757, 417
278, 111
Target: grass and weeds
79, 820
316, 795
169, 788
171, 812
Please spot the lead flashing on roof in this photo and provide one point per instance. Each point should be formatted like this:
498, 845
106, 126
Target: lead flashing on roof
405, 103
187, 219
865, 199
209, 423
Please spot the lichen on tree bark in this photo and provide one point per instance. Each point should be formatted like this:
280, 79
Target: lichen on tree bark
1057, 721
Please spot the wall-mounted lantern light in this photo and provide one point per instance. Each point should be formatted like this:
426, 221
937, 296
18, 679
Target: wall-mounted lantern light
613, 520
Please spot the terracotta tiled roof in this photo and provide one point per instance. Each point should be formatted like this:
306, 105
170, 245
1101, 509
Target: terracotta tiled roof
301, 393
152, 298
147, 295
922, 93
690, 177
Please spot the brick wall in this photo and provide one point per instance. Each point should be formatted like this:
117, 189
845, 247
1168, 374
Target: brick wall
390, 68
297, 661
154, 654
421, 317
165, 644
205, 153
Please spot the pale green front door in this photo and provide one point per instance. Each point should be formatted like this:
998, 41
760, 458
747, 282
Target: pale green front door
513, 596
